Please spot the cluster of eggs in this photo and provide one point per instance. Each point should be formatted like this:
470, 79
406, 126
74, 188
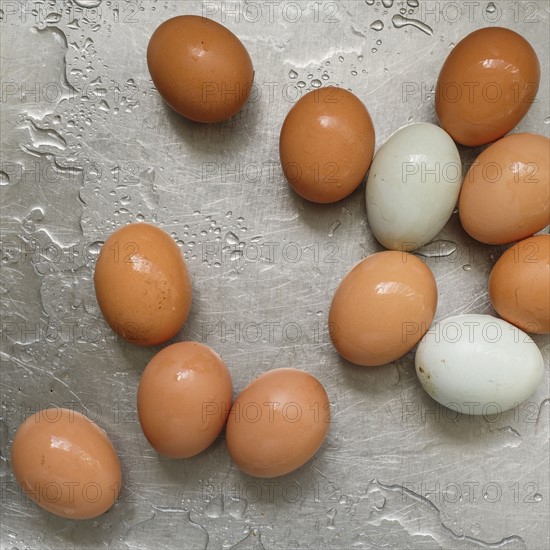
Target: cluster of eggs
383, 307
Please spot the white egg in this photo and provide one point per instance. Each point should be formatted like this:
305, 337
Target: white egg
413, 186
478, 364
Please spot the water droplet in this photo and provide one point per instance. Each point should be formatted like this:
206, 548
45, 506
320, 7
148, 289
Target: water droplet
334, 227
437, 249
387, 3
301, 84
4, 178
490, 8
547, 120
377, 25
236, 255
379, 42
95, 248
228, 214
399, 21
214, 508
325, 76
87, 4
331, 515
140, 217
369, 2
359, 58
53, 18
341, 58
374, 50
293, 74
467, 267
231, 238
316, 83
413, 3
537, 497
354, 73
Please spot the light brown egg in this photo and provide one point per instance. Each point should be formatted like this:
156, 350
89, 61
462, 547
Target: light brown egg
382, 308
505, 195
326, 144
66, 464
486, 85
183, 400
200, 68
519, 285
142, 285
278, 422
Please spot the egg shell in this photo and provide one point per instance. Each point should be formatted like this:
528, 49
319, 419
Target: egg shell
505, 196
183, 399
519, 285
142, 284
486, 85
326, 144
478, 364
66, 464
278, 422
200, 68
382, 308
413, 186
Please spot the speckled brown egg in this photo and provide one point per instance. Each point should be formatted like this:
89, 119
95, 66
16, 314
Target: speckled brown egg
278, 422
66, 464
183, 400
142, 285
486, 85
326, 144
519, 284
200, 68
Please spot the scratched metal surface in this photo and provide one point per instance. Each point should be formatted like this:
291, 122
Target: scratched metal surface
88, 145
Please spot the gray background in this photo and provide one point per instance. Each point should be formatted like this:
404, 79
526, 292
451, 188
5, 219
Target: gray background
87, 145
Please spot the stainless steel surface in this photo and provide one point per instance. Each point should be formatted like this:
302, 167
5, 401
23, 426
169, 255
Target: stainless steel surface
88, 145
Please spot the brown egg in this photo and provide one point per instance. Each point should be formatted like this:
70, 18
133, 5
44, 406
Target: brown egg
142, 285
183, 400
66, 464
326, 144
382, 308
519, 285
200, 68
278, 422
505, 195
486, 85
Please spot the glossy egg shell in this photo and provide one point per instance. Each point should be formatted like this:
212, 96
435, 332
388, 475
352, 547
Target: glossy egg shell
382, 308
66, 464
486, 85
413, 185
505, 196
326, 144
278, 422
478, 364
519, 285
142, 285
183, 399
200, 68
